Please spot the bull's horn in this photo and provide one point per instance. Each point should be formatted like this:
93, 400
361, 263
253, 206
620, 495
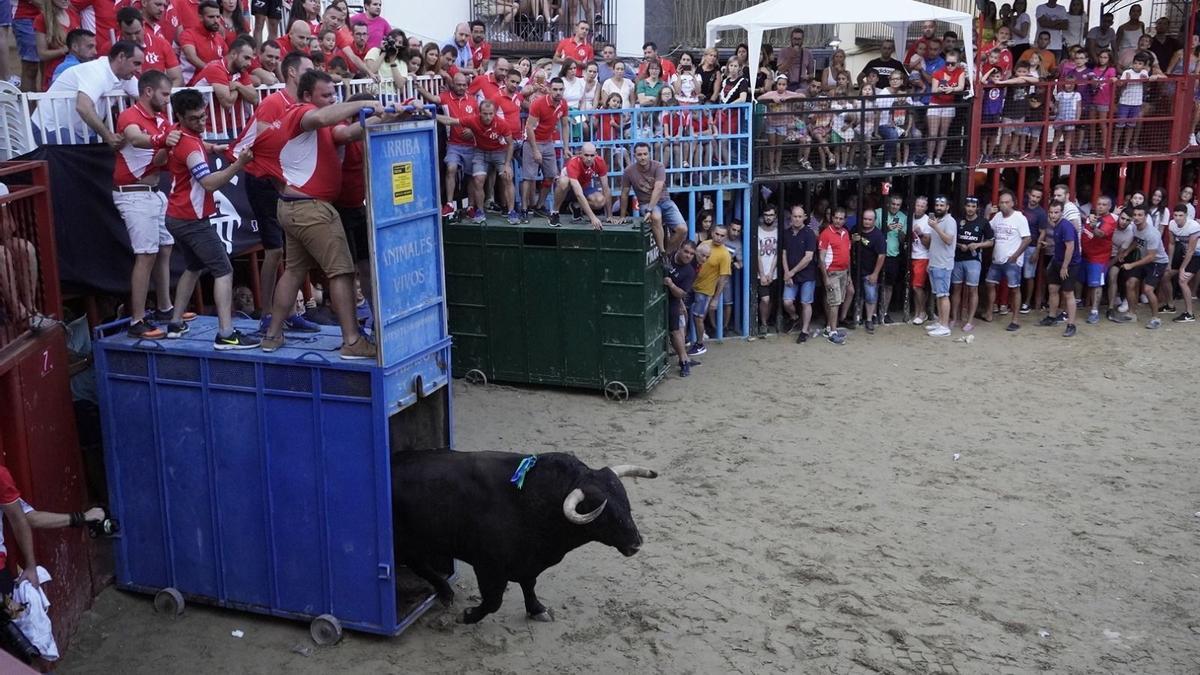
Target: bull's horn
572, 501
623, 470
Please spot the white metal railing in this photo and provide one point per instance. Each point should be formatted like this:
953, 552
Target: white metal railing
50, 117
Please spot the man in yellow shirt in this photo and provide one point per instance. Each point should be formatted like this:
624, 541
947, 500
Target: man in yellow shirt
710, 282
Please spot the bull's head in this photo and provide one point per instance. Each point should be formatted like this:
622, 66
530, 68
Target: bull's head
612, 518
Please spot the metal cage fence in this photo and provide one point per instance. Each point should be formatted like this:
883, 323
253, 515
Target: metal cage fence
28, 266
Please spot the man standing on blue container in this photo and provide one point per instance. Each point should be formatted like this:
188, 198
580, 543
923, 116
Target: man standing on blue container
310, 169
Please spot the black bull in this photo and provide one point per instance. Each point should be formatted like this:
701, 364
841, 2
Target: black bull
463, 505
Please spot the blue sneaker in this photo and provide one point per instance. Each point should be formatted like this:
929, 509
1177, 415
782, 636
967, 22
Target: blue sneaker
298, 324
513, 217
696, 349
685, 369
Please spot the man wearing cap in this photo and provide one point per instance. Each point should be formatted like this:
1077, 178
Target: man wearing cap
974, 234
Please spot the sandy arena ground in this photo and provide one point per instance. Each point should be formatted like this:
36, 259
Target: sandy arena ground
810, 517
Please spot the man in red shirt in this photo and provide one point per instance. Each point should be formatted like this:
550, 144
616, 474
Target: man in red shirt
204, 43
481, 49
358, 49
136, 196
352, 198
508, 100
335, 19
261, 192
231, 86
311, 173
546, 124
297, 38
155, 19
189, 209
264, 66
460, 147
159, 54
488, 85
577, 184
576, 48
1096, 241
834, 258
492, 139
650, 52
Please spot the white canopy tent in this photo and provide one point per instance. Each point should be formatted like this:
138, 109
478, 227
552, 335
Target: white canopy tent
774, 14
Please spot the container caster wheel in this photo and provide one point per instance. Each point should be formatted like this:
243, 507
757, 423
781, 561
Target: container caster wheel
325, 630
475, 376
169, 601
616, 391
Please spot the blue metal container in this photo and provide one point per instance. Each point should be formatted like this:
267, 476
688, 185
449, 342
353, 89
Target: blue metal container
263, 481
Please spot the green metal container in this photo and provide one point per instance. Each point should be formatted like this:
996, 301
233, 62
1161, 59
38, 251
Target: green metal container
567, 306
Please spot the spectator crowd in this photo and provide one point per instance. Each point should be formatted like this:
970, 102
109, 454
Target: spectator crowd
606, 139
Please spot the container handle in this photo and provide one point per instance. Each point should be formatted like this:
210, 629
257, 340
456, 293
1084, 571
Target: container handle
111, 328
385, 571
316, 357
148, 345
418, 386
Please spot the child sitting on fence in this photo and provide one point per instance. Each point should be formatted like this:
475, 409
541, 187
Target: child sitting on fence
1067, 102
779, 121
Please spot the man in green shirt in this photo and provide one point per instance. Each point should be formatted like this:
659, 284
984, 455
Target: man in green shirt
895, 225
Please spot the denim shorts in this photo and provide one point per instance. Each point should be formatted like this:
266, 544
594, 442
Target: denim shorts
667, 210
1010, 271
26, 42
1029, 269
966, 271
700, 303
804, 289
462, 156
870, 291
939, 279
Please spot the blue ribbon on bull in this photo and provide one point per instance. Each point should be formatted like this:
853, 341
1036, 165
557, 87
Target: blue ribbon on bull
518, 477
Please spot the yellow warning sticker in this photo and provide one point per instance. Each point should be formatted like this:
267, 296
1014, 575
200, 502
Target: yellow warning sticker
402, 183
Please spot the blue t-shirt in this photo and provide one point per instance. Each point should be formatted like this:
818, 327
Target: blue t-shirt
682, 276
931, 66
1037, 222
1064, 232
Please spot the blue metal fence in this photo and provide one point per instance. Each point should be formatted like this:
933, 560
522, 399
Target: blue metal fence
707, 151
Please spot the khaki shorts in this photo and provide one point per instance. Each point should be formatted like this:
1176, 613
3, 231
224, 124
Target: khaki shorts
835, 290
315, 237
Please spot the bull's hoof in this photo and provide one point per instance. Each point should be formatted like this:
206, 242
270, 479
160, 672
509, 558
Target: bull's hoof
544, 616
446, 597
472, 615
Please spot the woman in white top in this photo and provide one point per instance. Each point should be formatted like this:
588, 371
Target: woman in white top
619, 84
572, 85
591, 88
686, 85
1076, 32
837, 64
1128, 34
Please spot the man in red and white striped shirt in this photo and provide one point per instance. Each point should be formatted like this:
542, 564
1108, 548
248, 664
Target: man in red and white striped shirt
142, 206
189, 209
310, 169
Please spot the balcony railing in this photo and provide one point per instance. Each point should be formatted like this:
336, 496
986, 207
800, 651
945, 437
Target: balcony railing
51, 117
858, 135
702, 146
28, 266
532, 32
1153, 123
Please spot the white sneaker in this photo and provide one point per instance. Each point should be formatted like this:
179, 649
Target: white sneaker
940, 331
937, 162
934, 326
918, 320
1192, 140
888, 165
1123, 308
15, 80
1143, 299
